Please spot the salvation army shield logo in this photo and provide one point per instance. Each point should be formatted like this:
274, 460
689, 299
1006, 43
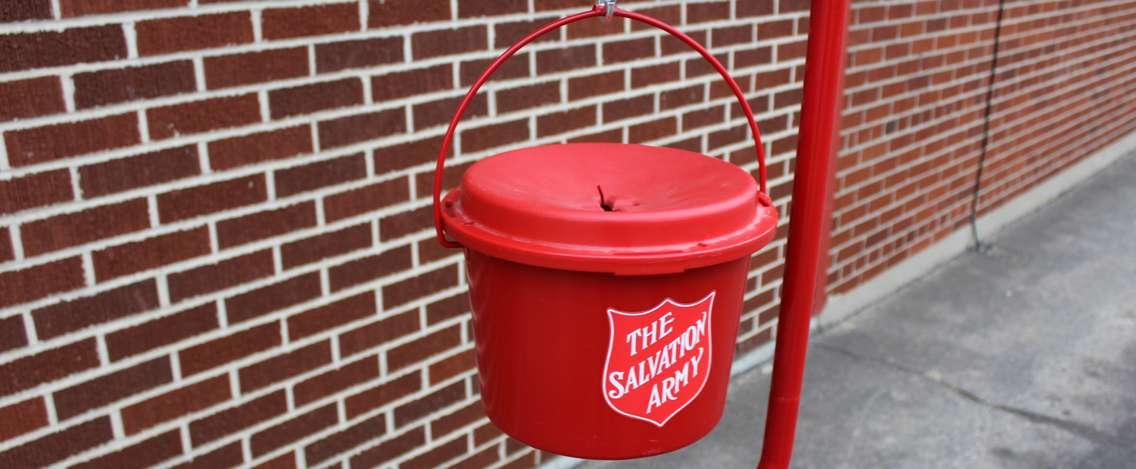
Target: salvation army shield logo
658, 360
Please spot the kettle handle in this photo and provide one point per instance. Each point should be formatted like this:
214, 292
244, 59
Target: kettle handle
601, 9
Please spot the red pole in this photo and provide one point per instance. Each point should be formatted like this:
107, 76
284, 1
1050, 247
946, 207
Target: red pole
808, 223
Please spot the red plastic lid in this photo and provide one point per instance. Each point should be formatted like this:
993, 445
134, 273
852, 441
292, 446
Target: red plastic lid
662, 210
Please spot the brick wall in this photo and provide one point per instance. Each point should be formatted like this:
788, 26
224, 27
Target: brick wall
215, 233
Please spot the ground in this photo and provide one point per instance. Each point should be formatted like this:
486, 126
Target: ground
1020, 355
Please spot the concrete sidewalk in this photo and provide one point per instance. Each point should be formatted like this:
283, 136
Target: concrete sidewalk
1022, 356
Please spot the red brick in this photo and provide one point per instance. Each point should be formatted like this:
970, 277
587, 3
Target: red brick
516, 67
500, 7
357, 128
158, 332
326, 245
628, 108
459, 418
325, 317
33, 283
397, 12
35, 190
655, 74
506, 34
247, 68
682, 97
139, 171
237, 418
281, 367
755, 8
229, 455
525, 97
447, 308
223, 350
175, 403
24, 10
359, 53
46, 366
623, 51
259, 147
24, 51
283, 23
752, 57
224, 274
565, 58
22, 417
307, 99
653, 130
415, 351
703, 118
390, 449
564, 121
799, 5
485, 433
383, 394
128, 258
265, 224
404, 155
367, 337
59, 445
162, 36
6, 248
336, 380
111, 86
440, 454
442, 42
726, 36
595, 85
202, 116
318, 174
291, 430
495, 135
76, 228
12, 335
70, 8
30, 98
148, 453
441, 111
59, 141
69, 316
345, 440
273, 297
775, 29
449, 367
412, 82
365, 199
112, 387
406, 223
416, 287
702, 12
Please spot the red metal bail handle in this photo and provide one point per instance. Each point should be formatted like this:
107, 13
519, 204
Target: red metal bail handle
601, 9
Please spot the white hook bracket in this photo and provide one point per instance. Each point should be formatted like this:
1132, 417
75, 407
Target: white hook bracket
609, 7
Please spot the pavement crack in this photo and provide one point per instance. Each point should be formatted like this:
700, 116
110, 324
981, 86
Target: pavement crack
1070, 426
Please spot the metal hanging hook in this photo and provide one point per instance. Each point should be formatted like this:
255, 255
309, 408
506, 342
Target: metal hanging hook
609, 7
